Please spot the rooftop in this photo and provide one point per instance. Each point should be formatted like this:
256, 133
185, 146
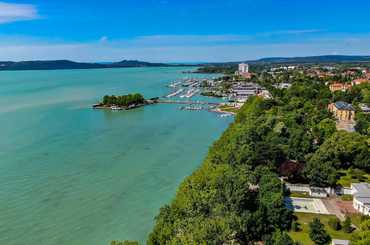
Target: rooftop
364, 107
362, 192
341, 105
361, 188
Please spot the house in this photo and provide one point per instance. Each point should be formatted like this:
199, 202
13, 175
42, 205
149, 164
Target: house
364, 108
342, 111
360, 81
339, 87
264, 94
318, 192
361, 197
340, 242
283, 85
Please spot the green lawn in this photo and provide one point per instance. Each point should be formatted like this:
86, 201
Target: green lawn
229, 109
303, 237
352, 176
357, 219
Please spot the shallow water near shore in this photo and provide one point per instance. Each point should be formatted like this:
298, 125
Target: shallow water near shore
73, 175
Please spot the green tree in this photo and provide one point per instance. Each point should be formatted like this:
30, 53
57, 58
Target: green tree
281, 238
363, 123
296, 226
341, 151
334, 223
318, 233
324, 130
347, 225
125, 243
362, 237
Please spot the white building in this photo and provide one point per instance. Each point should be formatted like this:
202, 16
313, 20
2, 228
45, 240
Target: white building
282, 85
340, 242
243, 68
242, 91
361, 197
364, 108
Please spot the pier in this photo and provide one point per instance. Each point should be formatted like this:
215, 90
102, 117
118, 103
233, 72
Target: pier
188, 102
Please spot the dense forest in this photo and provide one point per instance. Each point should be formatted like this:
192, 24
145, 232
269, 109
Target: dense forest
236, 197
233, 197
125, 100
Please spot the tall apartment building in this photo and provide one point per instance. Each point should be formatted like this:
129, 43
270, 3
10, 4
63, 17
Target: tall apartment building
243, 68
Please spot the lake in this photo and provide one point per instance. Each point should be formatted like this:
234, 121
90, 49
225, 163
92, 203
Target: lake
73, 175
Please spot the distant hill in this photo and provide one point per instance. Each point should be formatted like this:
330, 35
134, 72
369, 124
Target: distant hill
136, 63
316, 59
325, 59
67, 64
46, 65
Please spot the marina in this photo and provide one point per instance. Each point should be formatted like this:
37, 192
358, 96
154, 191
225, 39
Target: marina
175, 93
216, 95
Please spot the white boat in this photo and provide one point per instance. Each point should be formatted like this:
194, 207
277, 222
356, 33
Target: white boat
115, 108
175, 93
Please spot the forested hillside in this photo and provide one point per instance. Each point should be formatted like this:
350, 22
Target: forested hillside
236, 197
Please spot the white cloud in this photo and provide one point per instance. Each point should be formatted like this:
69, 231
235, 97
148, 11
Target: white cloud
10, 12
103, 39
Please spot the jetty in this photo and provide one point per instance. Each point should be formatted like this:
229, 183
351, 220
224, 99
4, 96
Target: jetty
188, 102
175, 93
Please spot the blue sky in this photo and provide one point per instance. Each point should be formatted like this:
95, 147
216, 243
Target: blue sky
181, 31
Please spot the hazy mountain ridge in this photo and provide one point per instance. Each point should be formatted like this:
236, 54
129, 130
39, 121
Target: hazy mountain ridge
324, 59
67, 64
316, 59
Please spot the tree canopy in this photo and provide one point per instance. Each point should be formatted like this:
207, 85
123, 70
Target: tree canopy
124, 100
317, 233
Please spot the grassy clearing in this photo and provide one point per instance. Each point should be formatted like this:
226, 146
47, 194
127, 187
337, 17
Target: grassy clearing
357, 219
352, 176
305, 218
229, 109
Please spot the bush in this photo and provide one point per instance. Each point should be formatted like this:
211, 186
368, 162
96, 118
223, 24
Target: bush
334, 223
318, 233
296, 226
281, 238
347, 225
124, 243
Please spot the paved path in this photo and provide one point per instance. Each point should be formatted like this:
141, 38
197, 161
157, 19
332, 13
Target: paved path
346, 125
331, 206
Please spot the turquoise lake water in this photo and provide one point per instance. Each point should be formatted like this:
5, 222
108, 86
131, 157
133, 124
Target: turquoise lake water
72, 175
